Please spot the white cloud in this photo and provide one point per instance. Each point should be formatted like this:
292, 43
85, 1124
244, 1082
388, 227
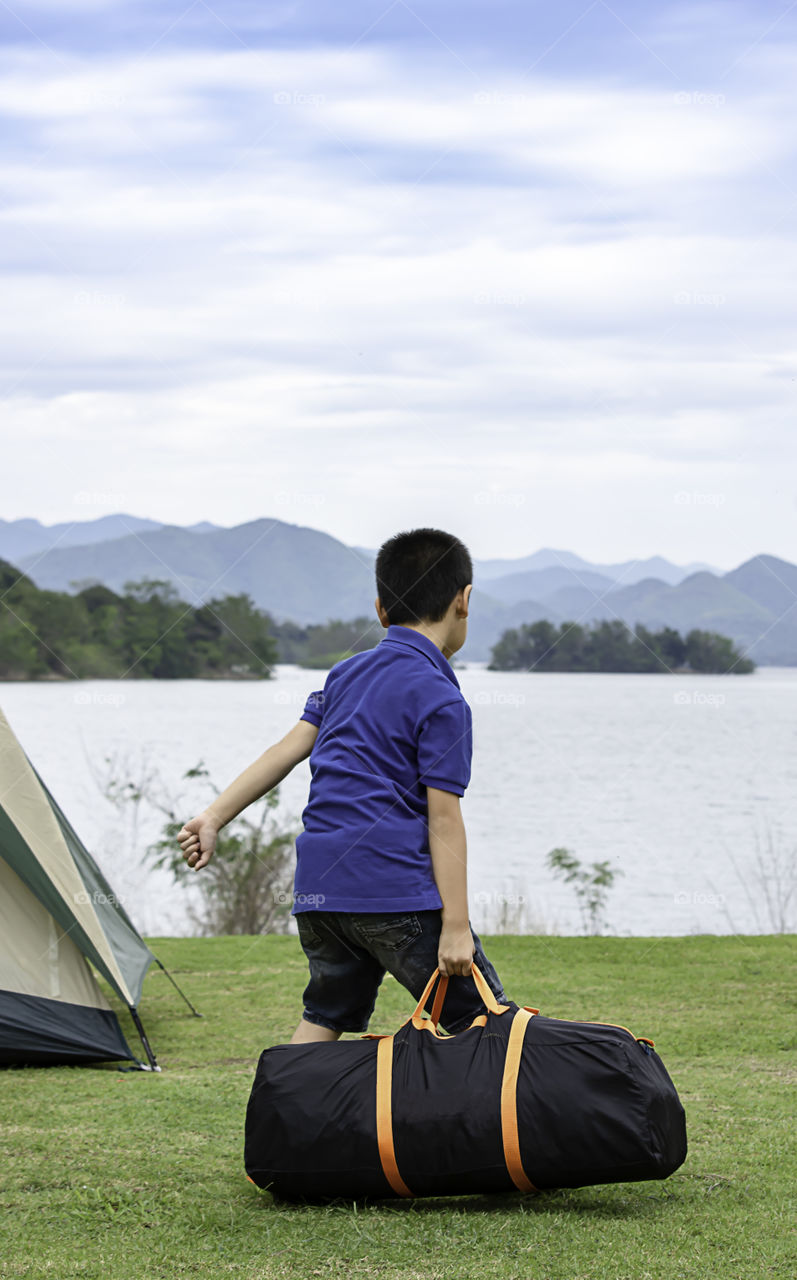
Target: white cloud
585, 274
590, 135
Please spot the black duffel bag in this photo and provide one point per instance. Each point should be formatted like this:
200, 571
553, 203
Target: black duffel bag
517, 1100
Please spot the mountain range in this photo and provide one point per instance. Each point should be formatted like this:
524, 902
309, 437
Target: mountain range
309, 576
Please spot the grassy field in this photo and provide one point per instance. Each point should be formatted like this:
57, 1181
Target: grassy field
120, 1175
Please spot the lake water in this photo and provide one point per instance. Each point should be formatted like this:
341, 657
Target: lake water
687, 785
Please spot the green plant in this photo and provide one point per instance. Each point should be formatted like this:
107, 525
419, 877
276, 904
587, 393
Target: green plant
768, 881
590, 884
246, 886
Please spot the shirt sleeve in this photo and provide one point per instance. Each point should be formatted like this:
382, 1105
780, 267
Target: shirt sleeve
314, 707
445, 748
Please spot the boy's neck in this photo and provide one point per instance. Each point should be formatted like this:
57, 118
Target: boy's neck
437, 632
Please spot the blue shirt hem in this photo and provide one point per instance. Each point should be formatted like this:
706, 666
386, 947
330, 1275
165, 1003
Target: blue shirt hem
429, 902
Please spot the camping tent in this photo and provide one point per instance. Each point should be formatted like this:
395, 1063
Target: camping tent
57, 912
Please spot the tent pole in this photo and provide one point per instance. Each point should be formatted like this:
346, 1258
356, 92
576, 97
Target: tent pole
177, 989
142, 1033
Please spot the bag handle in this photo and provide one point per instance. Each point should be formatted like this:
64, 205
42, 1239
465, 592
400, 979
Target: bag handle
484, 990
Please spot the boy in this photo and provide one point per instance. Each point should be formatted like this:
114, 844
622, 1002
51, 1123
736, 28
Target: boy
381, 880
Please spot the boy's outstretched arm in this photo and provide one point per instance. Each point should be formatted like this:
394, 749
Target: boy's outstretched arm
198, 837
449, 850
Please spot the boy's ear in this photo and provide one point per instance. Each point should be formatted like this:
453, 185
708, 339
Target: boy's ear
463, 612
381, 613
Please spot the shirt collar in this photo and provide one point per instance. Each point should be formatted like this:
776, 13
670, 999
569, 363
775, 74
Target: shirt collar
416, 640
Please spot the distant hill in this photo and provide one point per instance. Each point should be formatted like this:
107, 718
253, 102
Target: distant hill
294, 572
705, 601
568, 563
21, 538
628, 571
770, 581
542, 584
306, 576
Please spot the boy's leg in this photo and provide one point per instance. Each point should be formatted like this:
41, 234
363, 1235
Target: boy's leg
311, 1033
344, 978
406, 944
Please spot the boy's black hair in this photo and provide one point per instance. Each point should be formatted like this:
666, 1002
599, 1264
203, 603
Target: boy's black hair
419, 573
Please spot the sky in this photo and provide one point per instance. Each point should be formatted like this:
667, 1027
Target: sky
519, 270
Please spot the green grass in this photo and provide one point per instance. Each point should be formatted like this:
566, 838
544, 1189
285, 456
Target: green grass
131, 1176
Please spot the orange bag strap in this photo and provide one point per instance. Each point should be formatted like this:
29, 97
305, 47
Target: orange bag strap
384, 1116
482, 987
509, 1129
384, 1085
439, 997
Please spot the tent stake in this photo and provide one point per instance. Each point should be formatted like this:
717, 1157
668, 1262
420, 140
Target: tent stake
177, 989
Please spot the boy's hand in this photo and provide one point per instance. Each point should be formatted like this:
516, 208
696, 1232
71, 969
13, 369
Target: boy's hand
197, 839
455, 951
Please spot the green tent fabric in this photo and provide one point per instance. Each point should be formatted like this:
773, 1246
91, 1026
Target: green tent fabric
57, 912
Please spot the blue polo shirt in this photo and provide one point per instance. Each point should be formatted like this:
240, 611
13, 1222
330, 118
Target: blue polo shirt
391, 722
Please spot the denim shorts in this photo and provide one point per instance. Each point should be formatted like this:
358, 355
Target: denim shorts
349, 955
